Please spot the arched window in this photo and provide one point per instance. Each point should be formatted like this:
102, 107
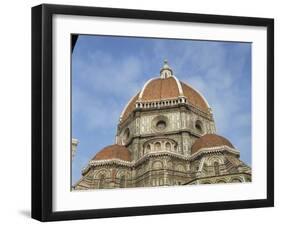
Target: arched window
168, 146
199, 126
220, 182
160, 125
122, 182
148, 148
157, 165
157, 146
101, 181
180, 168
216, 168
236, 180
126, 134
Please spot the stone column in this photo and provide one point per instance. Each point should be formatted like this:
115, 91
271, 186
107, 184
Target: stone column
165, 174
74, 143
186, 143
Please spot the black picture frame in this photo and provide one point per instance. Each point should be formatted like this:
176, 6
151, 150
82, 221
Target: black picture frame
42, 107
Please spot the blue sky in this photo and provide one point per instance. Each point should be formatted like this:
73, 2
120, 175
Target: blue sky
107, 71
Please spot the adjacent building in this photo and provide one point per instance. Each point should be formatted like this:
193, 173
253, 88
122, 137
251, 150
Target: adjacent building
74, 144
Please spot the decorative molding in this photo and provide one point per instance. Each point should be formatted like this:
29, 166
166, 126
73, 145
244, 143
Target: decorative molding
179, 85
146, 156
206, 102
145, 85
218, 149
121, 116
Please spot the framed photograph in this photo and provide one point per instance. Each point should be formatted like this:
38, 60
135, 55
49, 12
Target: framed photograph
146, 112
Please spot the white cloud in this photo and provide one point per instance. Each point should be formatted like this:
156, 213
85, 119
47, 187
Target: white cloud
106, 74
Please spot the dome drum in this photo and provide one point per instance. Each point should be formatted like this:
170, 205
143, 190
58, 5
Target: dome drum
159, 145
157, 104
160, 123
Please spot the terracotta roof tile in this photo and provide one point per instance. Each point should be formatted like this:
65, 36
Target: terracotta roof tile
114, 151
158, 89
194, 97
208, 141
130, 108
161, 89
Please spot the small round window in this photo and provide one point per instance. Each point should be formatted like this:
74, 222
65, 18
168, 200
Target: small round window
198, 126
161, 125
126, 134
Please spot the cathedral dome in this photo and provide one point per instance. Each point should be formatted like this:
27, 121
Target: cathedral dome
114, 151
209, 141
166, 87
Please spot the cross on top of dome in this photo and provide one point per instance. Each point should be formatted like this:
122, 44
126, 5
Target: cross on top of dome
166, 71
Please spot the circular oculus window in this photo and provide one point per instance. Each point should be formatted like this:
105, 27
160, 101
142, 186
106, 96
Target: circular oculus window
161, 125
199, 126
126, 135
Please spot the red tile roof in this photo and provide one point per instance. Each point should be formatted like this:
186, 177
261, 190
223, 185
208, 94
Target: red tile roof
159, 89
208, 141
114, 151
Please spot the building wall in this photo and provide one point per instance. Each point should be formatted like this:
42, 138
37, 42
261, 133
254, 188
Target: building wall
180, 125
164, 170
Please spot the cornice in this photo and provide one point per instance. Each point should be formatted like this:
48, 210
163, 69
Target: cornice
198, 154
